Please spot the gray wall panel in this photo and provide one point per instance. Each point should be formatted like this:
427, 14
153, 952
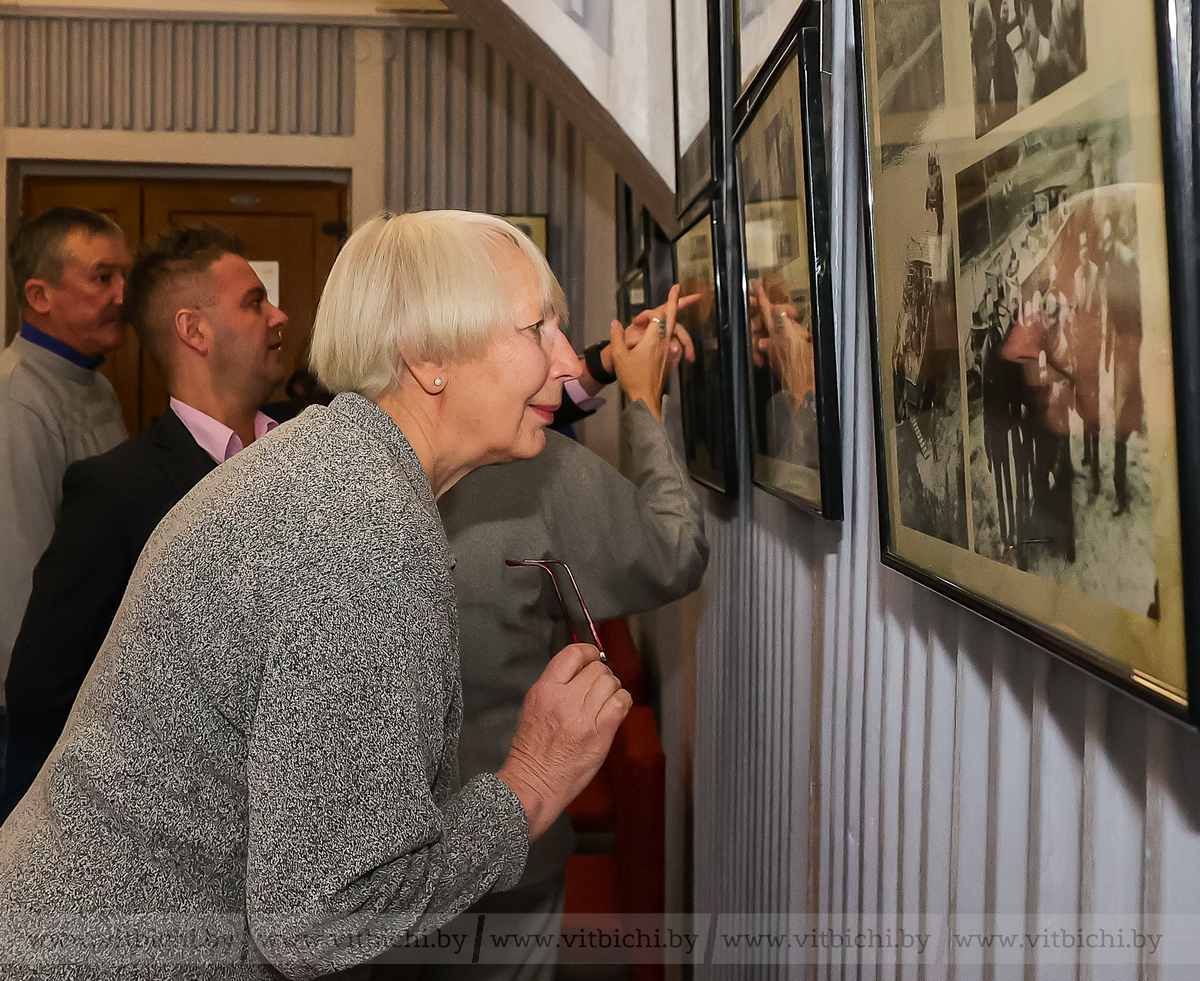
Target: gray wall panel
457, 108
466, 130
498, 135
178, 76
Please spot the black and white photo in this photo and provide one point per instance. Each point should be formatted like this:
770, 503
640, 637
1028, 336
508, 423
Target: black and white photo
909, 66
1060, 466
1021, 51
1032, 315
926, 386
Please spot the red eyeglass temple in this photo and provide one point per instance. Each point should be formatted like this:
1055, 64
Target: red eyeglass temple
544, 565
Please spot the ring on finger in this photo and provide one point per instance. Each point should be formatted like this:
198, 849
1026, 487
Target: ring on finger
662, 326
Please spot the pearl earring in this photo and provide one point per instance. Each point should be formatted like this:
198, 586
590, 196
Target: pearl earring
437, 381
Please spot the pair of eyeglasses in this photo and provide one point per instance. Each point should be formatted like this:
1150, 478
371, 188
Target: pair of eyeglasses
545, 566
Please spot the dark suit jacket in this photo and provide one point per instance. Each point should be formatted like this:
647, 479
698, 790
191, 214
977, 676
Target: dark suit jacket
111, 504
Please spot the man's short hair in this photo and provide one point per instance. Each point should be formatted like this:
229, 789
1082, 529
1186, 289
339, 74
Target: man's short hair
176, 253
423, 284
36, 250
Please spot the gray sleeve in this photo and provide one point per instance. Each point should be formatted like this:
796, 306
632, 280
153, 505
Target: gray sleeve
32, 461
644, 543
353, 847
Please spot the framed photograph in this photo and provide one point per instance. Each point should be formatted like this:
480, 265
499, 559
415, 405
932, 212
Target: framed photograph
639, 238
532, 225
622, 196
1032, 253
631, 296
693, 104
705, 385
758, 26
791, 359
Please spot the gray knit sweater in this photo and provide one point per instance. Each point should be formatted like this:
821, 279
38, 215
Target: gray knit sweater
261, 764
52, 413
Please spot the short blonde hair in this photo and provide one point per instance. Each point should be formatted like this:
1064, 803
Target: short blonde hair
425, 284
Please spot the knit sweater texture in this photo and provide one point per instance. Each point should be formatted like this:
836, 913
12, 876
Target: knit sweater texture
260, 772
52, 413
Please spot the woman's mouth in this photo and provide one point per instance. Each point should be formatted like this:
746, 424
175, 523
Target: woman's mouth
545, 412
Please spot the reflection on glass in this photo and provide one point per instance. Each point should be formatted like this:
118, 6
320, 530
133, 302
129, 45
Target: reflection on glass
760, 24
779, 284
700, 383
692, 98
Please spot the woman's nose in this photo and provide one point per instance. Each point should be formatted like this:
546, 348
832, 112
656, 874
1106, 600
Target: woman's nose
564, 362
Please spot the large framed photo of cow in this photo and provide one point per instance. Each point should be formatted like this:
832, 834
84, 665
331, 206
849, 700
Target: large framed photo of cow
1035, 326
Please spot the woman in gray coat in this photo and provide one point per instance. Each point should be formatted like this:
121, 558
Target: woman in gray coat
259, 773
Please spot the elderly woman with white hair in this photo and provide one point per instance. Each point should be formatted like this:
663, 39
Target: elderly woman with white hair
259, 773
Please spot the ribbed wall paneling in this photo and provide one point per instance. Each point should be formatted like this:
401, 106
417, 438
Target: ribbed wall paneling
178, 76
467, 129
961, 774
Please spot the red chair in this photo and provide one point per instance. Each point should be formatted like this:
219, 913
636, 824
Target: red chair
592, 811
623, 657
625, 890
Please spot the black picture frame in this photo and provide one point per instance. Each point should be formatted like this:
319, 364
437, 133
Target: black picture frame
621, 196
796, 450
632, 297
694, 161
536, 226
639, 230
1053, 554
706, 386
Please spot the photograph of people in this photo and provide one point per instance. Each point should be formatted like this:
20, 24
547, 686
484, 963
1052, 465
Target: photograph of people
1021, 51
1063, 485
908, 64
779, 301
925, 377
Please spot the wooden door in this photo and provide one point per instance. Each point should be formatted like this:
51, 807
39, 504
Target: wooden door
122, 202
297, 224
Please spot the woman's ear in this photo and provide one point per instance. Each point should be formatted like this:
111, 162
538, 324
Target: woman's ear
432, 376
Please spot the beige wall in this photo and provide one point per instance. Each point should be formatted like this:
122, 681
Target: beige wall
218, 90
467, 128
104, 117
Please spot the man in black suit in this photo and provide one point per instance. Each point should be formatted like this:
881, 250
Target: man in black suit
201, 311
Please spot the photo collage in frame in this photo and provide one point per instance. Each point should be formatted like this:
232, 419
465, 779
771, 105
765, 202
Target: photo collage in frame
1023, 323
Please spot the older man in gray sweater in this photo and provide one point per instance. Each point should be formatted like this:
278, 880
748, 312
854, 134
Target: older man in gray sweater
69, 267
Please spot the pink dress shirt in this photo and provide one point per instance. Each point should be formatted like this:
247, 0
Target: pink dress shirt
216, 439
580, 396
